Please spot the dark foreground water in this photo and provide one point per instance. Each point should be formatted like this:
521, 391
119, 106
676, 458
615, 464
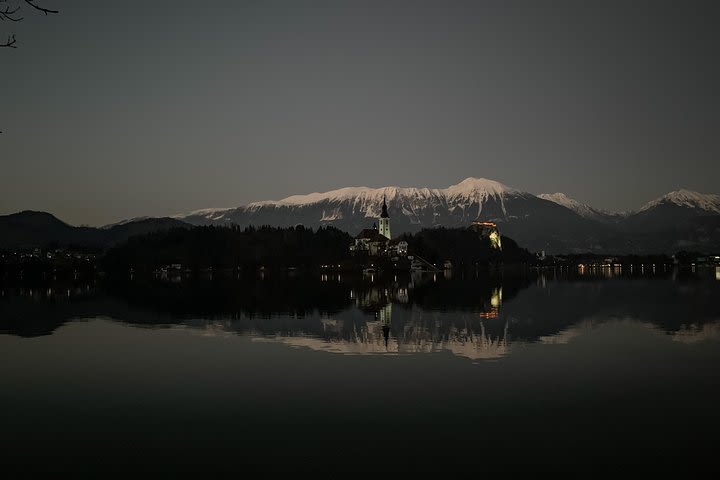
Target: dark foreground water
557, 371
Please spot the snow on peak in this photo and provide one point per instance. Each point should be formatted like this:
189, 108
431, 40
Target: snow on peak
473, 186
368, 200
470, 187
688, 199
559, 198
209, 213
582, 209
333, 195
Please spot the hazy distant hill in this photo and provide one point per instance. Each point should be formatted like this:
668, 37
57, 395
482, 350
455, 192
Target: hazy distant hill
29, 229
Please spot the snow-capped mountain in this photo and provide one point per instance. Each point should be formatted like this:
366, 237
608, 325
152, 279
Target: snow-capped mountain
555, 223
696, 215
582, 209
551, 222
687, 199
356, 207
531, 220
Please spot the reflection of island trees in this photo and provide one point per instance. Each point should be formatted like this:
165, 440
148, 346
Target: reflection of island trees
475, 318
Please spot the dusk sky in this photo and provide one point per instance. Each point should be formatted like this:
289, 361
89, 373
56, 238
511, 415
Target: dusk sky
113, 110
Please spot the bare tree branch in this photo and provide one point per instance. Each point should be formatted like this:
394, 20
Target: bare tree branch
10, 42
7, 12
43, 10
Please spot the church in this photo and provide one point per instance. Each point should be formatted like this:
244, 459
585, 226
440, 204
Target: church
378, 241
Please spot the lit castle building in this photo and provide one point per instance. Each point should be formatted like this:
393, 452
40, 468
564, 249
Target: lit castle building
490, 231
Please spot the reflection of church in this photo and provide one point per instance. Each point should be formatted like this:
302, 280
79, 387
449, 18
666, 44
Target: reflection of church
386, 320
384, 317
471, 338
378, 241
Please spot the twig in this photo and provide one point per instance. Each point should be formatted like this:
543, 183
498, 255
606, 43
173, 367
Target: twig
10, 42
39, 8
7, 14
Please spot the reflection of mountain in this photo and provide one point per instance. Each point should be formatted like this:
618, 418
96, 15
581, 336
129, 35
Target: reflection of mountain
371, 339
697, 333
565, 336
473, 318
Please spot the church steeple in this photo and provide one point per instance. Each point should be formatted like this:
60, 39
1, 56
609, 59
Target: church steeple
385, 221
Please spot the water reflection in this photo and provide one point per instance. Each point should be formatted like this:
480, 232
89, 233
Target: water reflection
472, 316
694, 333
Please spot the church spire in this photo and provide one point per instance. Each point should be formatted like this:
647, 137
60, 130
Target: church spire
385, 221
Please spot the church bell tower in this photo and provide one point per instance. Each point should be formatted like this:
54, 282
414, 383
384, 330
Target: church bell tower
385, 221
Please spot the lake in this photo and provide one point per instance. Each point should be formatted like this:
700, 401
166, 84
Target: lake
599, 370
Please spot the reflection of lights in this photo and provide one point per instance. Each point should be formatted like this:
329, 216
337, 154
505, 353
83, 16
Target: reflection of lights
717, 273
496, 297
494, 312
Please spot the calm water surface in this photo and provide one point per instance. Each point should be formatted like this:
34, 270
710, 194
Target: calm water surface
555, 371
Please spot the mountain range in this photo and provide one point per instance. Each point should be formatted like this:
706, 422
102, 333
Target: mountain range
552, 222
555, 223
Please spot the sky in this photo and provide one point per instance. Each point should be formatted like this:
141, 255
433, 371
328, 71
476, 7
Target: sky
113, 110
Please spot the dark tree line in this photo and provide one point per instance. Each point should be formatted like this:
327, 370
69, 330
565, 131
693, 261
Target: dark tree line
231, 247
303, 248
463, 247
